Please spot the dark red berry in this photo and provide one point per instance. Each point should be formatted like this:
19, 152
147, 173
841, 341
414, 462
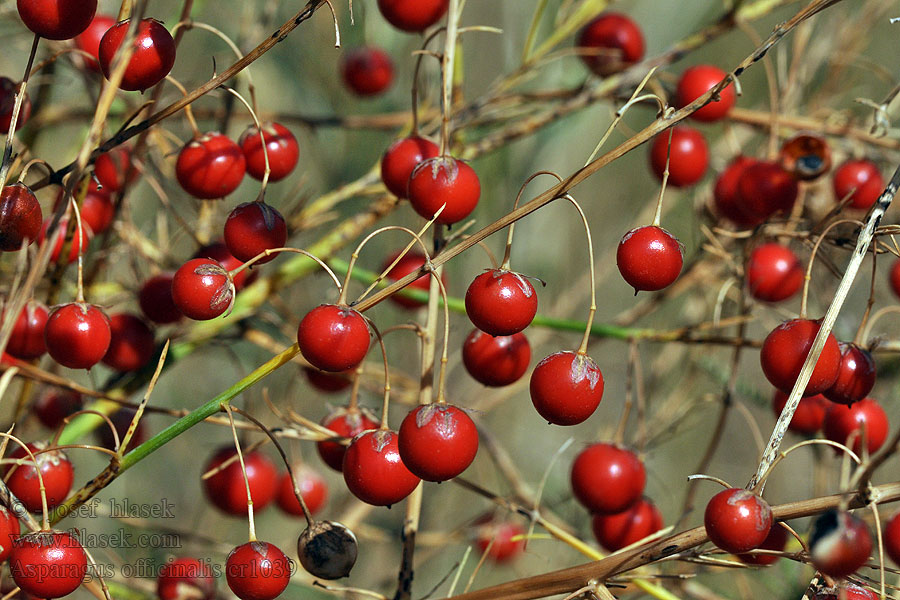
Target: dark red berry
20, 217
57, 19
374, 471
617, 530
688, 159
60, 237
607, 479
56, 471
401, 158
696, 81
840, 543
210, 166
411, 261
186, 576
437, 442
367, 71
131, 344
649, 258
252, 228
155, 299
444, 181
566, 388
9, 531
26, 341
810, 413
612, 42
281, 146
496, 361
860, 180
111, 168
413, 15
806, 156
737, 520
891, 538
153, 57
856, 377
865, 418
773, 273
726, 195
258, 571
766, 189
48, 564
8, 89
202, 289
776, 540
785, 349
501, 302
227, 490
895, 278
333, 338
97, 209
55, 405
88, 41
344, 422
497, 539
77, 335
312, 486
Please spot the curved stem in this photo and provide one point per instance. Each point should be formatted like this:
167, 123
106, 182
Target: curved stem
237, 446
582, 349
387, 375
665, 179
262, 140
45, 522
509, 236
79, 231
812, 257
415, 85
271, 251
32, 162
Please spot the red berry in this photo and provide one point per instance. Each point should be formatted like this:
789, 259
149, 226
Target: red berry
696, 81
496, 361
24, 483
57, 19
219, 252
333, 338
26, 341
9, 531
374, 471
60, 237
846, 591
773, 273
328, 382
607, 479
77, 335
348, 423
842, 421
501, 302
413, 15
131, 343
111, 167
444, 181
312, 486
688, 158
891, 538
840, 543
649, 258
785, 349
411, 261
202, 289
252, 228
20, 217
860, 180
401, 158
437, 442
367, 71
617, 530
810, 413
737, 520
210, 166
48, 564
766, 189
186, 577
227, 490
8, 104
618, 41
155, 299
496, 538
97, 209
856, 377
281, 146
776, 540
258, 571
806, 156
89, 40
566, 388
153, 57
727, 198
54, 406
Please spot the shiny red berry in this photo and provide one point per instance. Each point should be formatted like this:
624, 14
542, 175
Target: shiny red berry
54, 406
784, 351
281, 146
891, 538
607, 479
776, 540
737, 520
312, 486
444, 181
76, 242
202, 289
344, 422
497, 539
696, 81
688, 159
258, 571
809, 416
411, 261
8, 104
617, 530
367, 71
374, 471
496, 361
111, 169
88, 41
566, 388
501, 302
333, 338
186, 576
865, 418
252, 228
840, 543
20, 217
649, 258
611, 43
861, 180
856, 377
77, 335
26, 341
153, 57
401, 158
48, 564
57, 19
210, 166
413, 15
227, 490
97, 209
155, 300
846, 591
56, 471
9, 531
131, 343
773, 273
806, 156
726, 196
766, 189
437, 442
